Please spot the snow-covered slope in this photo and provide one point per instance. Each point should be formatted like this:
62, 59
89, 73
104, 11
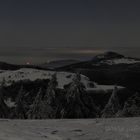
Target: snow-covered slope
108, 55
120, 61
83, 129
112, 58
63, 78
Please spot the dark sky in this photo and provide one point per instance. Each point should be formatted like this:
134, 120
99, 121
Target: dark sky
42, 30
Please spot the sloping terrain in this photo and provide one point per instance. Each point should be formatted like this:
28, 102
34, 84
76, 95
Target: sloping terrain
90, 129
112, 58
110, 68
6, 66
63, 78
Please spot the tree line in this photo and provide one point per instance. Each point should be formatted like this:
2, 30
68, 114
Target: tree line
74, 102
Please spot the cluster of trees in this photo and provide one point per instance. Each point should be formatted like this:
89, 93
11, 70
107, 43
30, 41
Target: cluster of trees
131, 107
73, 102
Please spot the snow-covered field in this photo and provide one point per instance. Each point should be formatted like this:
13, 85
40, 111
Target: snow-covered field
63, 78
90, 129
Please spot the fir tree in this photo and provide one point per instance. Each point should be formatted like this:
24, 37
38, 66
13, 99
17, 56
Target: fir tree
131, 107
113, 105
34, 112
51, 91
21, 107
50, 98
4, 110
39, 109
78, 103
3, 83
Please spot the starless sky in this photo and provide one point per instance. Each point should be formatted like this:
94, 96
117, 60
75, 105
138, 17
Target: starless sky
42, 30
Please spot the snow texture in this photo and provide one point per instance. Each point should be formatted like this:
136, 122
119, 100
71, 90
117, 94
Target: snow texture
121, 61
63, 78
90, 129
10, 103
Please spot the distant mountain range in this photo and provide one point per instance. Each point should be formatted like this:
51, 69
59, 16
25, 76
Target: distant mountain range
108, 58
58, 64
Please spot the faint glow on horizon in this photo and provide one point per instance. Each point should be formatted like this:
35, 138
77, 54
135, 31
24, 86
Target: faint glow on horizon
89, 51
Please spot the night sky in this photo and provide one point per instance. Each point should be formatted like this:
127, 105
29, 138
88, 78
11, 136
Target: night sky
37, 31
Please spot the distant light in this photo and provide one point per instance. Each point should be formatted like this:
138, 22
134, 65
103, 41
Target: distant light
28, 63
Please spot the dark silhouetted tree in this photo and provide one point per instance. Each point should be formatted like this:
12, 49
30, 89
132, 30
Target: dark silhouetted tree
51, 91
21, 106
113, 105
35, 112
4, 110
131, 107
50, 98
3, 82
78, 103
39, 109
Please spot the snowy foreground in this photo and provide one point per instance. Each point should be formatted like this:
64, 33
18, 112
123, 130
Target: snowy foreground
91, 129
